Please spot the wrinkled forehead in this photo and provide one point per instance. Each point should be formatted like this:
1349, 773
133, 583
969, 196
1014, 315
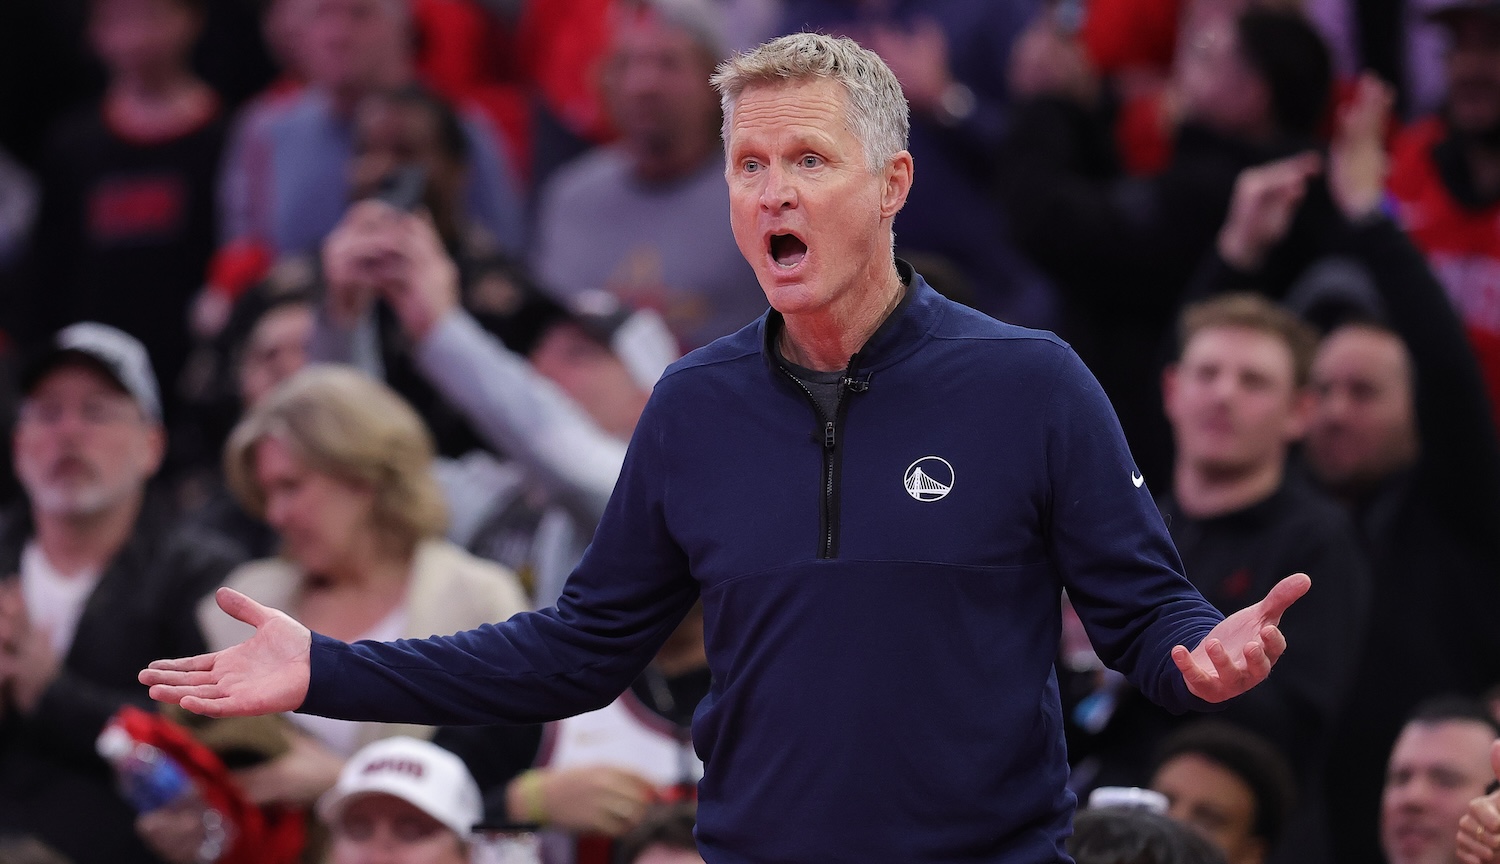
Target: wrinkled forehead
1456, 745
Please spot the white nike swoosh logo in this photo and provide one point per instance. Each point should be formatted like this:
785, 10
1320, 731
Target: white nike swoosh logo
1137, 479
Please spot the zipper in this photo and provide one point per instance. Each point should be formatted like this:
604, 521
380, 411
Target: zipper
828, 520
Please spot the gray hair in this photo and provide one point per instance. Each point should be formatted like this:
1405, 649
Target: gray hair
875, 110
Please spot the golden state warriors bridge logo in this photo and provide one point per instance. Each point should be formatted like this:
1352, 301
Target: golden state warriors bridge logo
929, 478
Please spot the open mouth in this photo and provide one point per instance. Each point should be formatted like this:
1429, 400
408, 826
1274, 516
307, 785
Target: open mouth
787, 250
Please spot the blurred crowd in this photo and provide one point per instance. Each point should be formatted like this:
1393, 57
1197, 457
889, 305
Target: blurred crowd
353, 305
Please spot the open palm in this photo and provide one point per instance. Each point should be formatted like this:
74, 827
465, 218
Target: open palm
266, 674
1239, 653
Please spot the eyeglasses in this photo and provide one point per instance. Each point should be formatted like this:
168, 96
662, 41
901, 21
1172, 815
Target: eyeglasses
93, 412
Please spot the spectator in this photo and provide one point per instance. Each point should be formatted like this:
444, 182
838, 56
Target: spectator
1132, 835
101, 579
1230, 784
1237, 400
563, 418
1445, 180
279, 321
644, 218
126, 224
1254, 87
402, 801
1439, 762
596, 776
665, 836
1384, 395
951, 57
285, 180
398, 131
341, 469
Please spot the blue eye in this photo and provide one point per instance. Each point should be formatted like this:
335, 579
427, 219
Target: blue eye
750, 166
811, 161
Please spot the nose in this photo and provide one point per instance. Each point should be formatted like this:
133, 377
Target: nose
278, 511
778, 192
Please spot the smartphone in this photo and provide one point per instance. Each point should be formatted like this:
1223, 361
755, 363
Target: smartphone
405, 188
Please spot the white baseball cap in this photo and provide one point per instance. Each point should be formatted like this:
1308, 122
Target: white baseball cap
418, 772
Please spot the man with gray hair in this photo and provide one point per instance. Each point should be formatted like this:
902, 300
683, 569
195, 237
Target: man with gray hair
644, 218
99, 578
880, 582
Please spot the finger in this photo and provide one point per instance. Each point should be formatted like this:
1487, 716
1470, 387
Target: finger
176, 693
197, 663
177, 679
1281, 596
1225, 667
1274, 642
208, 706
1257, 664
1483, 813
1471, 845
1470, 851
1195, 676
1495, 759
242, 608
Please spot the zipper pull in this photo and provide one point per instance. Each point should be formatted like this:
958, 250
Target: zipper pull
829, 439
856, 385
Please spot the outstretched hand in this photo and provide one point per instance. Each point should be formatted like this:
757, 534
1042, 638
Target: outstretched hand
1239, 653
266, 674
1479, 828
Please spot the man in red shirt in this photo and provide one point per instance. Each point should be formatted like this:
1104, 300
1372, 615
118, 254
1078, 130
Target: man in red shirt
1445, 180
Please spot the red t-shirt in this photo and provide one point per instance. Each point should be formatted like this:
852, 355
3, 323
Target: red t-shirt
1461, 244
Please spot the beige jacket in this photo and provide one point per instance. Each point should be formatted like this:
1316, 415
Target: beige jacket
450, 591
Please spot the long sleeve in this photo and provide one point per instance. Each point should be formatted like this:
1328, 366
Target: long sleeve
1460, 454
626, 596
1115, 556
521, 413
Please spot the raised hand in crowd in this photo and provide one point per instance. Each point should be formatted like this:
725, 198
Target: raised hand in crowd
28, 662
379, 251
1479, 829
423, 287
1049, 61
357, 255
266, 674
919, 57
1240, 651
1265, 201
594, 799
1357, 159
1267, 196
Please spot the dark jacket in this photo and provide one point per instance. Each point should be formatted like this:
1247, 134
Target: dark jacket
881, 594
1431, 533
51, 782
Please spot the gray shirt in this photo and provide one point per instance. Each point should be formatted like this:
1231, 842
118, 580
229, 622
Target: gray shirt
663, 246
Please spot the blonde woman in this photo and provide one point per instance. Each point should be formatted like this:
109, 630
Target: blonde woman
341, 468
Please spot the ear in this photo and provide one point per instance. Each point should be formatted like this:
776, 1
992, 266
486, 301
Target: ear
1255, 850
154, 450
1301, 415
897, 176
1169, 390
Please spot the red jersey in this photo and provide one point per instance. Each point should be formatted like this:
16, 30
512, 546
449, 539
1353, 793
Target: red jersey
1462, 244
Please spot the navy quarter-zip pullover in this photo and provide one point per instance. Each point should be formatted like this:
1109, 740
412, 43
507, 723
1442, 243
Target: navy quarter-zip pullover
881, 593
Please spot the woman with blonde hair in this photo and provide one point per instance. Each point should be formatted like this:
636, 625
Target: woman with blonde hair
341, 468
